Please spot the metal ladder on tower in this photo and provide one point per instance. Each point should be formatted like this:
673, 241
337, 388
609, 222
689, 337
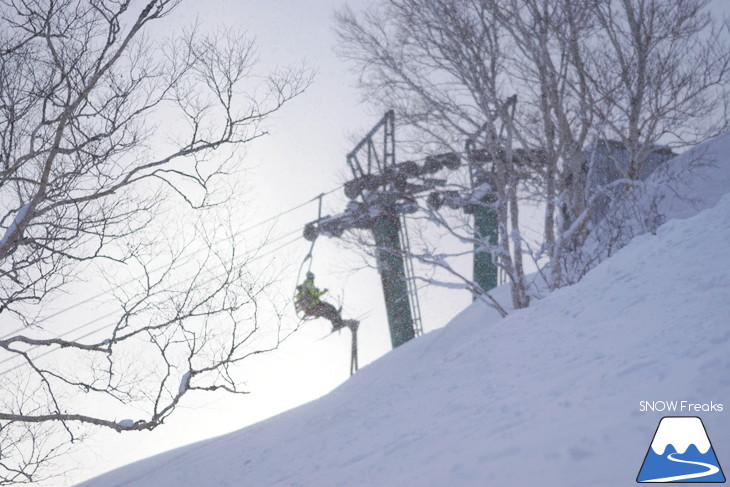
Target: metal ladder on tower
410, 277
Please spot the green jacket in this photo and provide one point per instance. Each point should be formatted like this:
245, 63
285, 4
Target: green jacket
308, 293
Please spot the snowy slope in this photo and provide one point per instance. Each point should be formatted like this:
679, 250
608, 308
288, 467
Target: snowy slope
549, 396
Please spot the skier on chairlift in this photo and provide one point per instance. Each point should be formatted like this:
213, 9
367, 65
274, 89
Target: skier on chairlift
309, 302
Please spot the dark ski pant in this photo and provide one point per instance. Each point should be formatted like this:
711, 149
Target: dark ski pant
328, 312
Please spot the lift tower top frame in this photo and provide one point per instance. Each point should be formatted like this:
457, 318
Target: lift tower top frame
375, 160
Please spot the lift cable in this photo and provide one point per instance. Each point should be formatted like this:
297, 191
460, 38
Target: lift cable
100, 318
132, 280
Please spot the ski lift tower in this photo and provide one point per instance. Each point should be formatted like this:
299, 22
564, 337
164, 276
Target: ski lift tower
367, 162
378, 199
483, 198
381, 193
486, 223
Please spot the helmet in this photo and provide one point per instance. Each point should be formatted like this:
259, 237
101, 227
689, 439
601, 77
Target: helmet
310, 275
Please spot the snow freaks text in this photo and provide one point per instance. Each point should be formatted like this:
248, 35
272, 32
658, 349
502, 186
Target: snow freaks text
680, 406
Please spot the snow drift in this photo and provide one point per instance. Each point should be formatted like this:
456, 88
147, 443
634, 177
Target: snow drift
549, 396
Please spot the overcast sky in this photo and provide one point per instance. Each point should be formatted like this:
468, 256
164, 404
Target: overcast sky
303, 156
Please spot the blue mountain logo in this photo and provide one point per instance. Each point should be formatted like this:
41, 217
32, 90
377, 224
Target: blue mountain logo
681, 452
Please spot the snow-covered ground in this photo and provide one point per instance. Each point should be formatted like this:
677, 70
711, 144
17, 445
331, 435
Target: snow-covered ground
549, 396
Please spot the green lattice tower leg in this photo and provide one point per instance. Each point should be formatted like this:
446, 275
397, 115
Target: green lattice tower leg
393, 276
485, 227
